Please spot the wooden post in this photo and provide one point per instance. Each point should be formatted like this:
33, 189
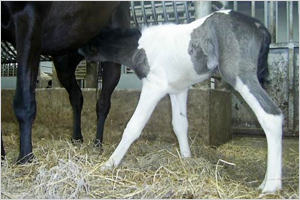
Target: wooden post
202, 8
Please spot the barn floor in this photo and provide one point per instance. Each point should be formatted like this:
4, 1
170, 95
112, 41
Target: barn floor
150, 169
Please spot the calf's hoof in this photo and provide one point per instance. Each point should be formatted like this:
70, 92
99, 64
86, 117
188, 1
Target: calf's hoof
270, 186
107, 166
77, 141
98, 144
25, 159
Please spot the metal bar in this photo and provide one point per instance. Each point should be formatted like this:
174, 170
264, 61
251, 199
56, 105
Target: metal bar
187, 12
144, 13
295, 87
170, 20
7, 69
175, 12
159, 11
287, 21
154, 12
291, 85
133, 14
168, 3
165, 11
284, 45
225, 5
235, 5
277, 22
202, 8
10, 49
253, 8
266, 16
13, 67
9, 56
272, 22
291, 34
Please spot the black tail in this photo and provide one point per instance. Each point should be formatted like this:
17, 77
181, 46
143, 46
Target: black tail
262, 67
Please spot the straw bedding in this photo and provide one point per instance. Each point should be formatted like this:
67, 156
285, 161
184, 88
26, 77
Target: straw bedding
150, 169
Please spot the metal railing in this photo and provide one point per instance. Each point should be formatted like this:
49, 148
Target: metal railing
273, 11
9, 59
147, 13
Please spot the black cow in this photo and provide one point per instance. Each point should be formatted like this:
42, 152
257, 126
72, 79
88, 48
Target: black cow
58, 29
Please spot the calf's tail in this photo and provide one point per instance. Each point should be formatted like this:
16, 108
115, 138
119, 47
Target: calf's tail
262, 66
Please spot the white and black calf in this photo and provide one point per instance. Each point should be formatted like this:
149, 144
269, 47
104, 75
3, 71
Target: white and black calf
169, 58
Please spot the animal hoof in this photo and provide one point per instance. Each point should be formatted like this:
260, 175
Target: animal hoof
270, 187
261, 186
77, 141
98, 144
106, 166
25, 159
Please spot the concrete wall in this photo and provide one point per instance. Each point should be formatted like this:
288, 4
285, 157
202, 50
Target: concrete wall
8, 82
283, 89
129, 81
209, 113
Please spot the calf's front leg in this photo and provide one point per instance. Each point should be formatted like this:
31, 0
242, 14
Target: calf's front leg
150, 96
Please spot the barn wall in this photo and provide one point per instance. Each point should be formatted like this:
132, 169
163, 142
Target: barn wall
8, 82
283, 88
208, 113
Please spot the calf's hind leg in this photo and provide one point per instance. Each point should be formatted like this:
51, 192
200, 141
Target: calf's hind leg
180, 122
270, 118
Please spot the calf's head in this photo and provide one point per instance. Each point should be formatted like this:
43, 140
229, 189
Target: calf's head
115, 45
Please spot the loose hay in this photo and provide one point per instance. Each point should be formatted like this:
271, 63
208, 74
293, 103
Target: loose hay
151, 169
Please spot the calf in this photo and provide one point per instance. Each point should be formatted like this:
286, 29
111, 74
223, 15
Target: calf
169, 58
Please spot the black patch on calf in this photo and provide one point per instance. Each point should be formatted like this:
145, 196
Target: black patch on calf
140, 63
198, 57
262, 65
203, 49
240, 45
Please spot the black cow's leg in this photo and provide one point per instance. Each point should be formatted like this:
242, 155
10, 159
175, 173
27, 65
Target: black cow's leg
28, 45
111, 73
2, 149
65, 68
110, 78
